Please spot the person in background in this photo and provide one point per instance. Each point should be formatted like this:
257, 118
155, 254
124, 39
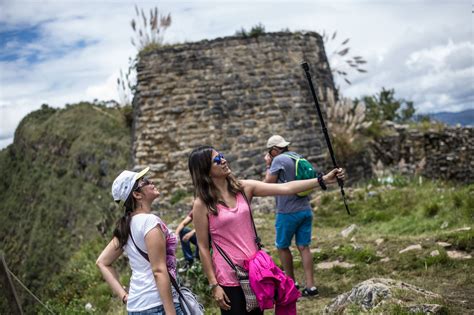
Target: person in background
187, 237
222, 216
150, 287
294, 215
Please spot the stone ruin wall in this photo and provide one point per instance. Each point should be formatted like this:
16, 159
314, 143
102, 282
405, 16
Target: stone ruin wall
231, 93
438, 154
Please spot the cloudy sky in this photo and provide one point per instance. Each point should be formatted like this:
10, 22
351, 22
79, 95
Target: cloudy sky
63, 51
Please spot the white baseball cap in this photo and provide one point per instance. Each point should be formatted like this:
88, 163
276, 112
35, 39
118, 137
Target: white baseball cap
277, 141
123, 184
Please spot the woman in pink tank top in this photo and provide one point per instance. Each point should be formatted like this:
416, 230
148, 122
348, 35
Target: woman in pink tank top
221, 212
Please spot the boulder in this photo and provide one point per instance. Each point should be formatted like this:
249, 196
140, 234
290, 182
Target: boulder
410, 248
443, 244
457, 254
375, 292
349, 230
332, 264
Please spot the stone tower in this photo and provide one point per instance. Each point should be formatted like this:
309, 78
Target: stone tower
231, 93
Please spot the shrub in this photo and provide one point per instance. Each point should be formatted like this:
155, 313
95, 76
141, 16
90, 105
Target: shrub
364, 255
462, 240
177, 196
257, 30
195, 278
254, 32
431, 209
321, 256
326, 199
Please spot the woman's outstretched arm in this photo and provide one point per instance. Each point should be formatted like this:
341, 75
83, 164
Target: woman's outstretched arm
258, 188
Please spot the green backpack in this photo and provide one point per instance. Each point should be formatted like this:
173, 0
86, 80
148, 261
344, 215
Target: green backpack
303, 170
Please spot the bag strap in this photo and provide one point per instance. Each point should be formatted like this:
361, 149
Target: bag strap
257, 238
224, 255
145, 255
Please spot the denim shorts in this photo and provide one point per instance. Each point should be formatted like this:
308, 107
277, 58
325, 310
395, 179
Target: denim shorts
299, 224
158, 310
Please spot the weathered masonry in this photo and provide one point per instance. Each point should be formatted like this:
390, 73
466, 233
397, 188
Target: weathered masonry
231, 93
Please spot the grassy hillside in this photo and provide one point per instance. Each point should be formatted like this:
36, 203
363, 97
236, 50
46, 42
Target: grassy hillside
54, 187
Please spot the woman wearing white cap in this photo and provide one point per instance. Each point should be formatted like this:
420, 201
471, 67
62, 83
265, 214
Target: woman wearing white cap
139, 232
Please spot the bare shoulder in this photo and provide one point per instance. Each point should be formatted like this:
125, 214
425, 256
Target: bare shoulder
199, 207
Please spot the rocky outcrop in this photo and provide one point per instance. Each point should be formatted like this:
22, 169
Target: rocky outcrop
375, 292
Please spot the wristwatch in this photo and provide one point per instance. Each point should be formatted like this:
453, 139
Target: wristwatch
212, 286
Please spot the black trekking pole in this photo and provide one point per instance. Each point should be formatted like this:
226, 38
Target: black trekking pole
325, 131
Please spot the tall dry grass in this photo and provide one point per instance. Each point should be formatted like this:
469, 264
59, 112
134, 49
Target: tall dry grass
149, 30
346, 120
148, 34
342, 63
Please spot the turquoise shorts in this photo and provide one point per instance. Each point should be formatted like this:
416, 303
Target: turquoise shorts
299, 224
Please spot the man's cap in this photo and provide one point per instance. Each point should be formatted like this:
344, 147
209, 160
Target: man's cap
123, 184
277, 141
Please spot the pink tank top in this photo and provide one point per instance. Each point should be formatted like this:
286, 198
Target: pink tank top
232, 230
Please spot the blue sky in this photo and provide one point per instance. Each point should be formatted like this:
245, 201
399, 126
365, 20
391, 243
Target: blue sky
60, 52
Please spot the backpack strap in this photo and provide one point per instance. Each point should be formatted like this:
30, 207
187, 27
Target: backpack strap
295, 158
292, 156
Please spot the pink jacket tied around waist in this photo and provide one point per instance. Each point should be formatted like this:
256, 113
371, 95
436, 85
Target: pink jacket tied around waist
271, 285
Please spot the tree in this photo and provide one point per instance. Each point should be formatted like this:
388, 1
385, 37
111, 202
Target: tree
384, 106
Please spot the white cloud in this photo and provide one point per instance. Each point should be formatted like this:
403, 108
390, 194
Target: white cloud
5, 142
104, 91
10, 118
408, 46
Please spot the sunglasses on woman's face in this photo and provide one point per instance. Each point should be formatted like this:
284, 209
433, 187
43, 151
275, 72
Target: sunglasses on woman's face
218, 159
144, 182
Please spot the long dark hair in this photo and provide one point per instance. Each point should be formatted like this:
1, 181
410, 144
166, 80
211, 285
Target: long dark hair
122, 227
199, 163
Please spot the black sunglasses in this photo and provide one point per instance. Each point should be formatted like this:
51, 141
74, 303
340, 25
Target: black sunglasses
273, 148
145, 182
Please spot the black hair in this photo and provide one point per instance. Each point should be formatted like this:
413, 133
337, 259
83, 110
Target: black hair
122, 227
200, 163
